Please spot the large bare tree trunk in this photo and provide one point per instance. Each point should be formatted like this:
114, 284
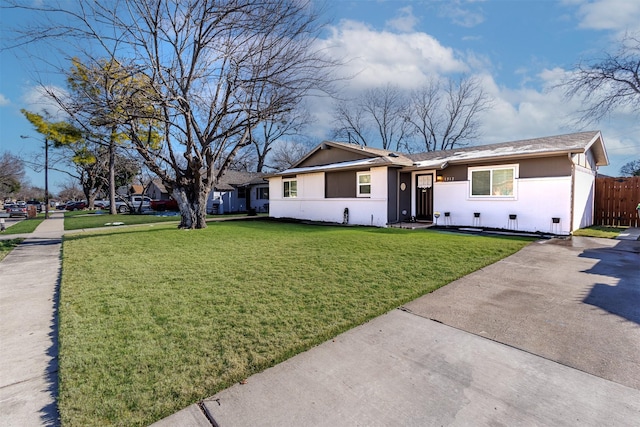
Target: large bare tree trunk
192, 201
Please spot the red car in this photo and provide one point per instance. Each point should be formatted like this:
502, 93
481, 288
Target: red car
164, 205
75, 205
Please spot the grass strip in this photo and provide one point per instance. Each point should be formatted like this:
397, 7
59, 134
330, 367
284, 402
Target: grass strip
154, 320
7, 246
25, 226
600, 231
79, 220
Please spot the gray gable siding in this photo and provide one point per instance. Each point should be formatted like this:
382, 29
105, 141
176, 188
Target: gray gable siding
529, 168
332, 155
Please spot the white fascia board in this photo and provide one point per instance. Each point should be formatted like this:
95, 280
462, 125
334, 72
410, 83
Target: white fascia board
431, 164
343, 165
487, 155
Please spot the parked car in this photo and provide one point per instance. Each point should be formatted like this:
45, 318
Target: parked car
74, 205
16, 210
164, 205
124, 205
101, 204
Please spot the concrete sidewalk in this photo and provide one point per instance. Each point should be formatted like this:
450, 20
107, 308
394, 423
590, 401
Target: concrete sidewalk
29, 282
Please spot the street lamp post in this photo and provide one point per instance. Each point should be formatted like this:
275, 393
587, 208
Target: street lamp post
46, 174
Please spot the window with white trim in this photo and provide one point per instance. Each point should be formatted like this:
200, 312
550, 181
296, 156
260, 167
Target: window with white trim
290, 187
493, 182
364, 184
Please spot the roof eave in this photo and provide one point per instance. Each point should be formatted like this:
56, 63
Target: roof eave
600, 152
371, 163
515, 156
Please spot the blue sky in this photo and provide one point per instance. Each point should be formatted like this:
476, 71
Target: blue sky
518, 49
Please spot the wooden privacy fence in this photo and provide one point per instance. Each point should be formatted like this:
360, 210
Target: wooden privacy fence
616, 200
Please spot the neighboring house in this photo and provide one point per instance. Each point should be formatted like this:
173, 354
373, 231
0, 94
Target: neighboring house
157, 190
136, 189
239, 191
130, 190
543, 184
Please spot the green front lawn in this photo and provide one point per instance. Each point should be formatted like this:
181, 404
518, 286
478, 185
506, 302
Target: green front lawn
153, 320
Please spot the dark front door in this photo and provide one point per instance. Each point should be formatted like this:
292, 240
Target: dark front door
424, 197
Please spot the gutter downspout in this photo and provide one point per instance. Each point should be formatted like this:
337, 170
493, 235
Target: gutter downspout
398, 218
573, 190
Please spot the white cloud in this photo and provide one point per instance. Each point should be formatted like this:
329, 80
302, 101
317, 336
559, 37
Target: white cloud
4, 100
39, 99
405, 22
462, 14
376, 58
615, 15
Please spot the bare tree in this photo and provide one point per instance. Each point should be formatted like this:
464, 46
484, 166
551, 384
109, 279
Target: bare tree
609, 83
444, 115
351, 123
379, 114
287, 153
30, 192
211, 70
268, 132
70, 191
11, 174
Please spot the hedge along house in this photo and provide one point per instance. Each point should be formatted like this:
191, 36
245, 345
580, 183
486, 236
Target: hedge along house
538, 185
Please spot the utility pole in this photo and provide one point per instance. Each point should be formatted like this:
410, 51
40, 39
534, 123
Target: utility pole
46, 174
46, 178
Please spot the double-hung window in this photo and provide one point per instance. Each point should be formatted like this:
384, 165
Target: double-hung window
290, 187
262, 193
364, 184
493, 182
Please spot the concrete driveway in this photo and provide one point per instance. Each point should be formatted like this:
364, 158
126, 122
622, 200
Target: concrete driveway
576, 302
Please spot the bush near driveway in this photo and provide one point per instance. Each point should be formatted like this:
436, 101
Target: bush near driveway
154, 320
